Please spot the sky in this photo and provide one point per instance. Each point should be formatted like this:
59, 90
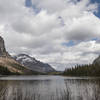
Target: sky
62, 33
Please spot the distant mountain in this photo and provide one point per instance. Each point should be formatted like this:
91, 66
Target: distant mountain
33, 64
97, 60
8, 65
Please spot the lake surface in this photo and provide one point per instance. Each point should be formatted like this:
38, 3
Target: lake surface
49, 88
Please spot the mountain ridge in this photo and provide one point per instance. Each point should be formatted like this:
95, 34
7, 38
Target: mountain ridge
33, 64
97, 60
9, 65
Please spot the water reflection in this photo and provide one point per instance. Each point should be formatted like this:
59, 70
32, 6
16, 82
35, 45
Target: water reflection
83, 89
49, 88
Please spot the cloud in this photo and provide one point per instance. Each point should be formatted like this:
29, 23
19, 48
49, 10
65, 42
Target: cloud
42, 33
36, 24
84, 28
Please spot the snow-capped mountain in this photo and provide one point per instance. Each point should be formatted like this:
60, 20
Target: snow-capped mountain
8, 65
33, 64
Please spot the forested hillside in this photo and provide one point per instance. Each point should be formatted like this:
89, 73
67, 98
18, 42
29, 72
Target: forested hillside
83, 70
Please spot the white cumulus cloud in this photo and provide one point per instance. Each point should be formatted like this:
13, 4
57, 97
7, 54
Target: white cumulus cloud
45, 34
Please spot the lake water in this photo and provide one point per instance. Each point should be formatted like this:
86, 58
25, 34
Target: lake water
49, 88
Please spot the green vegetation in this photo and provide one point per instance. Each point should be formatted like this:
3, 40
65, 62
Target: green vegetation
54, 73
83, 70
6, 71
24, 70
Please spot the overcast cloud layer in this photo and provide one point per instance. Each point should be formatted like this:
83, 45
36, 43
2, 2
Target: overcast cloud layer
60, 32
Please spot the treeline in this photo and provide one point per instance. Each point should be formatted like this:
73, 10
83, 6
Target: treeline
83, 70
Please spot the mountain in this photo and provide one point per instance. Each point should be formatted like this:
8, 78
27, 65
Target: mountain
13, 67
3, 52
8, 65
97, 60
33, 64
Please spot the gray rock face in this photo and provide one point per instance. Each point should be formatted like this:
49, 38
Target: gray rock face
97, 60
13, 66
3, 52
33, 64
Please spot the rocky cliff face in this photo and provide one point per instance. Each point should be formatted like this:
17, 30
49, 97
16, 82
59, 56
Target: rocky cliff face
22, 64
6, 61
33, 64
3, 52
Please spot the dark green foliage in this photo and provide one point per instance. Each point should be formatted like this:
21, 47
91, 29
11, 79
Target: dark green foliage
5, 71
83, 70
24, 70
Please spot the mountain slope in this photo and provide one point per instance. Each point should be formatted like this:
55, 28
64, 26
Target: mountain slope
97, 60
13, 66
9, 65
33, 64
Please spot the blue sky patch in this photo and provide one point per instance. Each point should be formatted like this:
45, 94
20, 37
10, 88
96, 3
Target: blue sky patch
69, 44
97, 13
28, 3
94, 39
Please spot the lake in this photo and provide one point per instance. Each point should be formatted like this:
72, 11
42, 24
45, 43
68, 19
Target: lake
43, 87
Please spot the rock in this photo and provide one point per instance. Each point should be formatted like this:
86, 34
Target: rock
22, 64
33, 64
3, 52
97, 60
6, 61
